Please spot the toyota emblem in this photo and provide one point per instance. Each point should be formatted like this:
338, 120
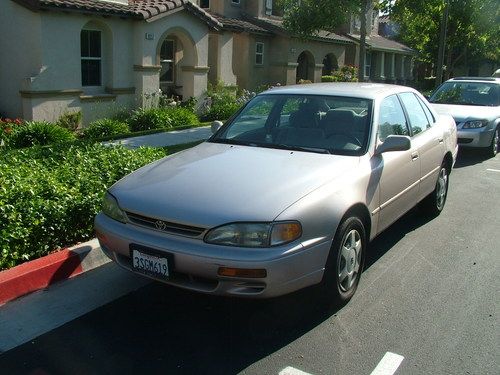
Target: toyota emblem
160, 225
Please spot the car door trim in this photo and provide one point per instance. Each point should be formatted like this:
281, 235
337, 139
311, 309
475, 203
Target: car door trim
384, 205
429, 174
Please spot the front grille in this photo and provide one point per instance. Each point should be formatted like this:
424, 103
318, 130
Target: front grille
164, 226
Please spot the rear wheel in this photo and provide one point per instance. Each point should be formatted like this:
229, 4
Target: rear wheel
493, 148
345, 262
434, 203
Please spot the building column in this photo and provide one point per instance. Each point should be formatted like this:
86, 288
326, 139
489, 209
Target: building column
403, 70
291, 73
147, 84
390, 67
380, 66
318, 72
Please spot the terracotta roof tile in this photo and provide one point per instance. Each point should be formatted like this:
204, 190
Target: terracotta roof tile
276, 25
239, 24
141, 9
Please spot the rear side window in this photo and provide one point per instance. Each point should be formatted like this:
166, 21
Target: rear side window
391, 119
416, 115
428, 113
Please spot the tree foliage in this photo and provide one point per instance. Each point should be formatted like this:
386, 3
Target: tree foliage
305, 18
472, 29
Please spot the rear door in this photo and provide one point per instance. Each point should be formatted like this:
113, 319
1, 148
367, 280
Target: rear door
427, 139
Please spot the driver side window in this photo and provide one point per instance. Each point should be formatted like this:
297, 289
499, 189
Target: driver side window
392, 120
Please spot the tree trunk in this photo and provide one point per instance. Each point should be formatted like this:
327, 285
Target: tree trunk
365, 6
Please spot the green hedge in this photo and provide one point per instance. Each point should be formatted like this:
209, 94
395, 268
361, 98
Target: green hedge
50, 195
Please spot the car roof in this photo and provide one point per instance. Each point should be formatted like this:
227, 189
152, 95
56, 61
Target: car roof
475, 79
365, 90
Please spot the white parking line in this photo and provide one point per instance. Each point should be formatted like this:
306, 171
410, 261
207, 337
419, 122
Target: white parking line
388, 364
493, 170
292, 371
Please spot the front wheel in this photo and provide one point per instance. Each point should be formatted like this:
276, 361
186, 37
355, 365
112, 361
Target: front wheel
493, 148
433, 204
345, 262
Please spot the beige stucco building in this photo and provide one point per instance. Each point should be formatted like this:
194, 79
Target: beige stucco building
103, 56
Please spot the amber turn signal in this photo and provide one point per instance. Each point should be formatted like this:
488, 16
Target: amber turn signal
242, 272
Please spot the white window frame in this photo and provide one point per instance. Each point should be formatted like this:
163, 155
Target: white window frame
168, 61
89, 58
259, 54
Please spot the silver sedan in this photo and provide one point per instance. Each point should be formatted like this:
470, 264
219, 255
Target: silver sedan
287, 194
474, 103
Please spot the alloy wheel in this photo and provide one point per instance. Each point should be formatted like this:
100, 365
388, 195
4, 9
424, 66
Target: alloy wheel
349, 262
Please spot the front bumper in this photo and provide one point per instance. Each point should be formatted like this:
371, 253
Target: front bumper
289, 268
475, 137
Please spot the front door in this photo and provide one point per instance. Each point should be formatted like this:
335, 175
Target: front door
399, 170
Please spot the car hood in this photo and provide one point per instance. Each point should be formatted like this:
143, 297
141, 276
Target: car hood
213, 184
461, 113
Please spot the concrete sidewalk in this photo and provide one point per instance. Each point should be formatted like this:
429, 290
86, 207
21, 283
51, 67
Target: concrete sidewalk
170, 138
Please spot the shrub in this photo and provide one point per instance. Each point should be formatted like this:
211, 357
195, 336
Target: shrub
180, 116
70, 120
347, 73
222, 102
304, 81
105, 128
50, 195
38, 133
147, 119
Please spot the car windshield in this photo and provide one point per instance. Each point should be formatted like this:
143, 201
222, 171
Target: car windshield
467, 93
311, 123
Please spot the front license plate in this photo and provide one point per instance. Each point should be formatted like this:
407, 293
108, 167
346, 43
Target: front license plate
150, 264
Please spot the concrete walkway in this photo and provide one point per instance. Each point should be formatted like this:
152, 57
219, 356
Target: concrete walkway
169, 138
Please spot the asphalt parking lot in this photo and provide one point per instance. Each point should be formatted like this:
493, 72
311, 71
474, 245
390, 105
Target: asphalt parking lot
429, 294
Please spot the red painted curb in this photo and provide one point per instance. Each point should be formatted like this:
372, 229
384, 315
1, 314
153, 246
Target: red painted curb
38, 274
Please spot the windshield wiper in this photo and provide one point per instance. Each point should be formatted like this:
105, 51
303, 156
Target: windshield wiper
316, 150
229, 141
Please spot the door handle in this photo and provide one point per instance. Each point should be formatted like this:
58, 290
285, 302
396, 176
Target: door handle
440, 140
414, 156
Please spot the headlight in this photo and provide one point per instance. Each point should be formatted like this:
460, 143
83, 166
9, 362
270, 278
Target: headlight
475, 124
254, 234
110, 208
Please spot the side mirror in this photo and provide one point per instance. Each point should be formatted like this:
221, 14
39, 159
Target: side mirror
216, 125
394, 143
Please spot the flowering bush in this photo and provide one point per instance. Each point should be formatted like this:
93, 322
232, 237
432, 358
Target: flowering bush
347, 73
223, 101
7, 126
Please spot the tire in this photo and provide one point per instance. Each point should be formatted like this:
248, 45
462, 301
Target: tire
492, 150
345, 263
434, 203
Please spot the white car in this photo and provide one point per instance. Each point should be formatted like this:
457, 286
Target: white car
474, 103
287, 194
